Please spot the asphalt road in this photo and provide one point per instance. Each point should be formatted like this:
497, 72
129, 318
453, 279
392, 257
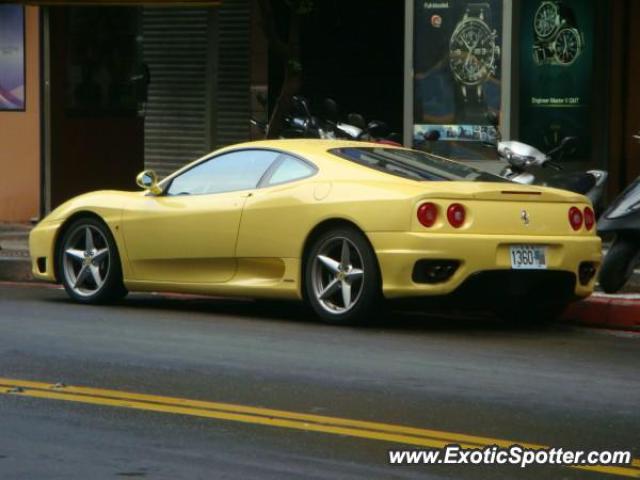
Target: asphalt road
556, 386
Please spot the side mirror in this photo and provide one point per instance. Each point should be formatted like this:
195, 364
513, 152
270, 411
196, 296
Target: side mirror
148, 180
378, 129
566, 144
569, 142
331, 109
356, 120
301, 105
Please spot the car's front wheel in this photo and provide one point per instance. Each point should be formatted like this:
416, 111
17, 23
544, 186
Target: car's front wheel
342, 282
89, 264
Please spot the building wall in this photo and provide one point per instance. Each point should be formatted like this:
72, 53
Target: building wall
20, 139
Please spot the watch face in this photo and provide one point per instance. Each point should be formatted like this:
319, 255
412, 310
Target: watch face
472, 52
567, 46
545, 22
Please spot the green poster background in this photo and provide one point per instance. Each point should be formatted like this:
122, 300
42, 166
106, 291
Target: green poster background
555, 99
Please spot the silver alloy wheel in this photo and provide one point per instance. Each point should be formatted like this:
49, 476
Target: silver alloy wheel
337, 275
86, 260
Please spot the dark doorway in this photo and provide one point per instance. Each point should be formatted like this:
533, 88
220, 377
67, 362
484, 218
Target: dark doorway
353, 52
632, 103
97, 92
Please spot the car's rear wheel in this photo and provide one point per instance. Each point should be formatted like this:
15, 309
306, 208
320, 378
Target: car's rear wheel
89, 264
342, 282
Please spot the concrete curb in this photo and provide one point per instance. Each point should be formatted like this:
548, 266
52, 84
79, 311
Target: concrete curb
620, 312
15, 269
15, 264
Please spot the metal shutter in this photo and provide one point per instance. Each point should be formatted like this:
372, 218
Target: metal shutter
232, 93
175, 47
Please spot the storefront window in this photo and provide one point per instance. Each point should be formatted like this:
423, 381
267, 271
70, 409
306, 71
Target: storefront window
556, 66
105, 75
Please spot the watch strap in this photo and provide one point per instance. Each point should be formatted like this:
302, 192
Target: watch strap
472, 112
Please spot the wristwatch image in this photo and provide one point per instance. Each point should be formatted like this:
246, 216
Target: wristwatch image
473, 56
557, 40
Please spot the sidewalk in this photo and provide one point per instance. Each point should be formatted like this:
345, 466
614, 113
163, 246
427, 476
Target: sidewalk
14, 252
600, 310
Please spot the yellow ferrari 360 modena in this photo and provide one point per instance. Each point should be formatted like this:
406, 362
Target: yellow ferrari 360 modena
338, 224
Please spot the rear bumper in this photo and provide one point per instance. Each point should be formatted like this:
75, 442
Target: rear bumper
398, 252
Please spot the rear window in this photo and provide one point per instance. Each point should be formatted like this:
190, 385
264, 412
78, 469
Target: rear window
413, 165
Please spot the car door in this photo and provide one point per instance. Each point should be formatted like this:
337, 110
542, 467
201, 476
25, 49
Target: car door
275, 214
188, 234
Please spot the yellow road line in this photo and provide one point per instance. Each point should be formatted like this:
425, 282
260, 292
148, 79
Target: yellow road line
275, 418
267, 412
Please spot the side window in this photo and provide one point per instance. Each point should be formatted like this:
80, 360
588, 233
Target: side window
290, 169
229, 172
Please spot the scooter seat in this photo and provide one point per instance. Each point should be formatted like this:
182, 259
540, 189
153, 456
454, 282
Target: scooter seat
578, 182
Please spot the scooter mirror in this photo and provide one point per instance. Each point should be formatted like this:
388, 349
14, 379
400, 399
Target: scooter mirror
301, 105
356, 120
378, 129
330, 109
568, 142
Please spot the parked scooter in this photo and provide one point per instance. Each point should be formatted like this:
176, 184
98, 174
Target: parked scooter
301, 124
521, 158
622, 218
355, 128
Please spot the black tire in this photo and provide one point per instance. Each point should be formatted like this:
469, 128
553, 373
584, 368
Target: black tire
112, 287
369, 286
618, 264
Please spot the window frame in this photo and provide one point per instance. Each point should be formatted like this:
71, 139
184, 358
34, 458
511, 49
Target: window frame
262, 182
338, 153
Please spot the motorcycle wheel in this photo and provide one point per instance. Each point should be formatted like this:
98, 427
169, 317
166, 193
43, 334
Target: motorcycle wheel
618, 265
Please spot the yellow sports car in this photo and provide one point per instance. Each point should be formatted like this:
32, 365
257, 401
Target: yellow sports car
340, 225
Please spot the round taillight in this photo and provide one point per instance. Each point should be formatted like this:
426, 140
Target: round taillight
428, 214
589, 218
456, 215
575, 218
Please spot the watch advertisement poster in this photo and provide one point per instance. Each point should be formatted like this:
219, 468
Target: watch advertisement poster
456, 69
556, 64
12, 68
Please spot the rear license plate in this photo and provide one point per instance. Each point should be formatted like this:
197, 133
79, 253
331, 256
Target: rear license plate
528, 257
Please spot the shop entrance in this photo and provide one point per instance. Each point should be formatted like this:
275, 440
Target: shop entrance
632, 103
97, 94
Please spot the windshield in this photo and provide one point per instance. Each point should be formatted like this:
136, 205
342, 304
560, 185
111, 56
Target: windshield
413, 164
